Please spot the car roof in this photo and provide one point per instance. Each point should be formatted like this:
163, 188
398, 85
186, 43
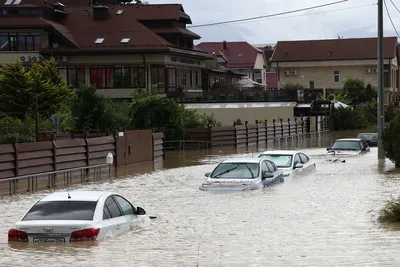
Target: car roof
349, 139
280, 152
369, 133
75, 196
242, 160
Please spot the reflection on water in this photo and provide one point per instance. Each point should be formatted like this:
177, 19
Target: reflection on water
325, 219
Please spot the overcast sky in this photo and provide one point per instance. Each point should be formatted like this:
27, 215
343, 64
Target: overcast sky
355, 18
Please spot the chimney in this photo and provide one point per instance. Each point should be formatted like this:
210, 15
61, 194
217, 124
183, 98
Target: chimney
100, 12
224, 45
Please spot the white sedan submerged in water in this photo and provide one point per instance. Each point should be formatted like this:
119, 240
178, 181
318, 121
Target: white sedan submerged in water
290, 161
348, 147
239, 174
77, 216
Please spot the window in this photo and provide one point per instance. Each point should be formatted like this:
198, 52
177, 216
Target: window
113, 208
265, 167
304, 158
346, 145
126, 207
312, 84
236, 170
20, 42
271, 166
282, 161
62, 210
158, 79
385, 78
125, 40
296, 159
74, 75
117, 76
336, 76
99, 41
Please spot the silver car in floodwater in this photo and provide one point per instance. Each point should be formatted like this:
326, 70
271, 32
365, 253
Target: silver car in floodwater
291, 162
239, 174
348, 147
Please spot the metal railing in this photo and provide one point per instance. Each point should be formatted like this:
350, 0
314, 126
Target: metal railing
33, 180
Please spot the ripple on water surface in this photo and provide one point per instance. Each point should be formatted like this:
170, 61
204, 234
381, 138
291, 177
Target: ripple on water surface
320, 220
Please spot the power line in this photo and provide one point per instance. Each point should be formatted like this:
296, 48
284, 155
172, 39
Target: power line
270, 15
390, 18
394, 5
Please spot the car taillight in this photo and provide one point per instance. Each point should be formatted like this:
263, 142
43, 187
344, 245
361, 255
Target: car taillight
17, 235
89, 234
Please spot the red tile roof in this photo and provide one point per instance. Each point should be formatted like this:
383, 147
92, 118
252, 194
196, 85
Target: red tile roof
175, 30
81, 31
333, 49
237, 54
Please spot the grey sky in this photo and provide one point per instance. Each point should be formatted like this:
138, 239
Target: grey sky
355, 18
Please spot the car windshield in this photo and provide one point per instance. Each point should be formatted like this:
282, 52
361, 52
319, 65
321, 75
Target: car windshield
62, 210
346, 145
368, 137
235, 170
281, 161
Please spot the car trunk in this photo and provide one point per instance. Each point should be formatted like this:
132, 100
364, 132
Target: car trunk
51, 231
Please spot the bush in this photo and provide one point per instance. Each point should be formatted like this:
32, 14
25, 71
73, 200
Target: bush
391, 140
348, 118
390, 213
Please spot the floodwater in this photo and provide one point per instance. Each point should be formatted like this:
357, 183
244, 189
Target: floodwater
325, 219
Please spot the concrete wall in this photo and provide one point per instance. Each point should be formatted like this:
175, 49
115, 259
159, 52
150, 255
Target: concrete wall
228, 115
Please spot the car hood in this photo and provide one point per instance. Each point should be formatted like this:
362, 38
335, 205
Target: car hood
228, 184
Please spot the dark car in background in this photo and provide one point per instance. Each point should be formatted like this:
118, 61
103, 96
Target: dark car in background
370, 138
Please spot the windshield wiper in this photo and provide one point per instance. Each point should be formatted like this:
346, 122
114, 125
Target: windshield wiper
252, 174
219, 174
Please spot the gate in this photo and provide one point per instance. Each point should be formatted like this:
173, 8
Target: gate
135, 147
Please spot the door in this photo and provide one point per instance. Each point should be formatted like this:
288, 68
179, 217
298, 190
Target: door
114, 216
129, 212
264, 168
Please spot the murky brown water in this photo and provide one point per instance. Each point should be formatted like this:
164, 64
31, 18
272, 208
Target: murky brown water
325, 219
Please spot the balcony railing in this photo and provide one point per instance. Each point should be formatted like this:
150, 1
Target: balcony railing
226, 97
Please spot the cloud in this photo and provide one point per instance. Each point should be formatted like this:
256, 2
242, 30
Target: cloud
355, 18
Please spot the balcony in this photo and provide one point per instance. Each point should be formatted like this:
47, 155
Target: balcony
233, 97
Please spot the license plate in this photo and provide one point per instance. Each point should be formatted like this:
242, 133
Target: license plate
49, 240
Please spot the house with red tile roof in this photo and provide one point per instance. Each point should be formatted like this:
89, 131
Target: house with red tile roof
238, 56
326, 64
271, 77
117, 48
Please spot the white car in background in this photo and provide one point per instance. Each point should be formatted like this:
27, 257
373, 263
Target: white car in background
240, 174
77, 216
290, 161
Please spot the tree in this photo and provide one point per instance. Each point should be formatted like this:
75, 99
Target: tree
19, 88
347, 119
391, 140
356, 91
16, 97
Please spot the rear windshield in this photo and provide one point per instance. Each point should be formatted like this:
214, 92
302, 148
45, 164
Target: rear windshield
368, 137
62, 210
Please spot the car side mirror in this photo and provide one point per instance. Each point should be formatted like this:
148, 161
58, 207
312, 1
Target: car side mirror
298, 166
266, 175
207, 174
140, 211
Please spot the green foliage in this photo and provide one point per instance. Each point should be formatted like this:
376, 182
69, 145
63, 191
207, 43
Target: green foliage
348, 118
150, 111
195, 120
19, 88
391, 140
370, 112
238, 122
390, 213
355, 91
293, 86
22, 130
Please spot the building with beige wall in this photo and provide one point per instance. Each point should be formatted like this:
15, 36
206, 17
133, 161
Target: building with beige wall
326, 64
115, 47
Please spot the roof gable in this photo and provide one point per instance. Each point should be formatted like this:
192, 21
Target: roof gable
333, 49
237, 54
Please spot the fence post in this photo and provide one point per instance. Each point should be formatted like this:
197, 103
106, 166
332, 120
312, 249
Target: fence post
15, 143
288, 120
247, 133
86, 134
302, 125
281, 127
256, 121
273, 121
295, 123
54, 161
210, 137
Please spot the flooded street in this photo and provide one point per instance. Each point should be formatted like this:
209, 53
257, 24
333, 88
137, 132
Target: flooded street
325, 219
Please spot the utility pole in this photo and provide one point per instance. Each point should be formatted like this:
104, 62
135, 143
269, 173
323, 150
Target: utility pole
381, 107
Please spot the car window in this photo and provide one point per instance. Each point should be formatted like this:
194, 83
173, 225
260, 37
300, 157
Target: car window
282, 161
236, 170
113, 208
264, 167
365, 143
106, 212
297, 159
304, 158
126, 207
346, 145
271, 168
62, 210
